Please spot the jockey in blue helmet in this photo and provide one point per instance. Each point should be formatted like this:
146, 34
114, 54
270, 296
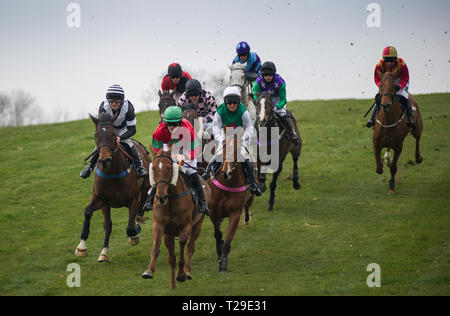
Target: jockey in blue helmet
245, 56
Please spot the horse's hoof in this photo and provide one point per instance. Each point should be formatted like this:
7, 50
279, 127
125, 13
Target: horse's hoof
81, 253
147, 275
390, 192
189, 276
297, 186
103, 258
133, 241
270, 208
379, 171
419, 160
181, 278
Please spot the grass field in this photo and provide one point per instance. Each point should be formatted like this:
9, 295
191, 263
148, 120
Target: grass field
318, 241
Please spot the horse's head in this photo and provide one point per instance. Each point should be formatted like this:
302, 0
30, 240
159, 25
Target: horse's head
163, 173
264, 108
237, 75
189, 112
166, 99
387, 91
230, 156
105, 138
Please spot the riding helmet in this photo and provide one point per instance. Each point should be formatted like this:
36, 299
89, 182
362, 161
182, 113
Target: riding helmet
174, 70
193, 86
268, 68
173, 114
390, 52
115, 92
242, 48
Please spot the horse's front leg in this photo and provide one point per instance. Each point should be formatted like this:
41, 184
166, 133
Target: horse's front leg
218, 237
81, 250
133, 229
107, 227
182, 239
226, 248
379, 164
157, 232
273, 187
195, 233
397, 152
169, 241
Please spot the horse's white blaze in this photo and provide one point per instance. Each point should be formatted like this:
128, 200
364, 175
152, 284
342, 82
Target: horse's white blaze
160, 165
262, 113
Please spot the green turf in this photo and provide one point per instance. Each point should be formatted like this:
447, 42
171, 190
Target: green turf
318, 241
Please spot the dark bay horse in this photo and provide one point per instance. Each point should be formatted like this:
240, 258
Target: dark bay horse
166, 99
173, 216
267, 118
116, 185
391, 127
228, 198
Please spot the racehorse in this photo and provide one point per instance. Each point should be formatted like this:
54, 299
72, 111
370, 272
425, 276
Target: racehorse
166, 99
243, 82
116, 185
229, 196
391, 128
267, 118
173, 216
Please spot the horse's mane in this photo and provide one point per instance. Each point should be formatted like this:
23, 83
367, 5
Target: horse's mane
238, 66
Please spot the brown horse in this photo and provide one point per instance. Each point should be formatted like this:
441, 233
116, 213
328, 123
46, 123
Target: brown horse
391, 129
173, 216
115, 185
166, 99
229, 196
267, 118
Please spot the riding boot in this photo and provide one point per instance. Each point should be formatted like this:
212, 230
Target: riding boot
249, 171
202, 206
151, 197
371, 121
86, 172
409, 113
138, 162
290, 130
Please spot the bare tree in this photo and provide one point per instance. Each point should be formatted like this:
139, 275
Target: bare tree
18, 109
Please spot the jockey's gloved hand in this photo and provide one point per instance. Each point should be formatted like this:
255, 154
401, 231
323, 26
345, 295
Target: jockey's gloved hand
397, 88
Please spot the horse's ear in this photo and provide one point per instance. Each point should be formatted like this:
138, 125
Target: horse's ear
271, 93
229, 66
171, 93
160, 93
153, 151
379, 74
395, 72
94, 119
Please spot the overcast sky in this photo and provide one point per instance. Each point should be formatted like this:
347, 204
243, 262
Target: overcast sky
323, 49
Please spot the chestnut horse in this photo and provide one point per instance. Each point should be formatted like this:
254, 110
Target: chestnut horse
266, 117
391, 129
229, 196
115, 185
172, 216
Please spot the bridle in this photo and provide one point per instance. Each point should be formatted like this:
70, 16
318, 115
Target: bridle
163, 180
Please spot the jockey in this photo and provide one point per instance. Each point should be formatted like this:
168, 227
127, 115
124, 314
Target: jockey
245, 56
391, 62
204, 102
233, 113
175, 79
125, 126
269, 80
173, 120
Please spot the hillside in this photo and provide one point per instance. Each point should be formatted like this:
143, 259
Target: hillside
318, 241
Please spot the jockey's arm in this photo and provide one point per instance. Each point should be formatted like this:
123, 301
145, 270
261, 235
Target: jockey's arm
217, 128
248, 127
256, 90
282, 95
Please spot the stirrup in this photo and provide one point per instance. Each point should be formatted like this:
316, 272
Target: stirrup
86, 172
